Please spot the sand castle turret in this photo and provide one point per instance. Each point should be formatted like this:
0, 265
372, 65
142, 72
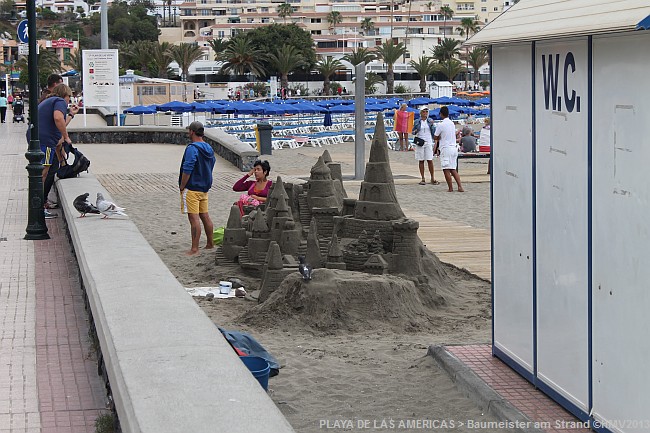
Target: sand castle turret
313, 256
282, 226
322, 193
273, 272
377, 198
258, 244
234, 235
406, 248
335, 255
335, 173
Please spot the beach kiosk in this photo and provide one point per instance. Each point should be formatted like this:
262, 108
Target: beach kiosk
570, 203
438, 89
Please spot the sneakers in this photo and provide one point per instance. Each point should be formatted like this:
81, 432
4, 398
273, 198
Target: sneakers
49, 215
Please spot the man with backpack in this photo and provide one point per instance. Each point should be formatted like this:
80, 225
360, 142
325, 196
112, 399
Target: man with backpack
194, 182
53, 119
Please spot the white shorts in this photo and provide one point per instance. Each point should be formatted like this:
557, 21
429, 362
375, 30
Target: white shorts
424, 153
448, 158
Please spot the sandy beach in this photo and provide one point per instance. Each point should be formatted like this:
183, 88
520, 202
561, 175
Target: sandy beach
374, 377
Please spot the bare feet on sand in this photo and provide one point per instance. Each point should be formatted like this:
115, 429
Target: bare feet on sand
191, 252
208, 247
461, 190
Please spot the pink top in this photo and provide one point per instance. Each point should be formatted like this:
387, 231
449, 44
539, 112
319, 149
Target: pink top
249, 185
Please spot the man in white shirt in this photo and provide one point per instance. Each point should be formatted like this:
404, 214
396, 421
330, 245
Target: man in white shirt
445, 138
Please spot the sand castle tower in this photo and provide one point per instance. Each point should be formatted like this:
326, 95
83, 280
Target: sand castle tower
273, 272
313, 256
253, 256
406, 248
283, 227
335, 173
335, 255
377, 198
234, 236
322, 199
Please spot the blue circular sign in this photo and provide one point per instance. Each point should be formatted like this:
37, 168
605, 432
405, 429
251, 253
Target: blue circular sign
23, 32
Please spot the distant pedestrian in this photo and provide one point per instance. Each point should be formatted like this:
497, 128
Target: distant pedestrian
3, 107
445, 137
194, 181
52, 81
422, 129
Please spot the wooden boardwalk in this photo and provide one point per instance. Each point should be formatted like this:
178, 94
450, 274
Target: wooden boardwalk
461, 245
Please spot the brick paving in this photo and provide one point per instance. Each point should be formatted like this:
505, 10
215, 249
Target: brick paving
514, 388
48, 373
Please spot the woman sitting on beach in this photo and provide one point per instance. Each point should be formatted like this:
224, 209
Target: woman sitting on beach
256, 190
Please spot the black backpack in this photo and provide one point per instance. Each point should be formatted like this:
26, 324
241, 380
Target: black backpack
81, 163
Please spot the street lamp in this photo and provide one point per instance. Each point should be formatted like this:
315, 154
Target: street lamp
36, 228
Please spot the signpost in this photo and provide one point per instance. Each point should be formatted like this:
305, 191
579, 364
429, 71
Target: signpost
23, 33
101, 81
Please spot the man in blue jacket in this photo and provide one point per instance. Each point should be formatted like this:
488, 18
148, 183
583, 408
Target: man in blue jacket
194, 181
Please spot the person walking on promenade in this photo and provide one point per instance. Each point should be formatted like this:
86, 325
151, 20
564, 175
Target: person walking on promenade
424, 144
194, 181
3, 107
52, 81
53, 119
445, 137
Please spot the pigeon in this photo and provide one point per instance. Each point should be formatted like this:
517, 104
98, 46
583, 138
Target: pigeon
304, 269
108, 208
82, 204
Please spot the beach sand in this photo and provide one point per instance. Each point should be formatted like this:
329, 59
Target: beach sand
335, 380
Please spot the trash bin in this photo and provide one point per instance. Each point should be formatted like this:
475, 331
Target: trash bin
110, 119
263, 138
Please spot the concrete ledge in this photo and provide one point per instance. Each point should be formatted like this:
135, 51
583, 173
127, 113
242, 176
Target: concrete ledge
230, 148
169, 368
479, 392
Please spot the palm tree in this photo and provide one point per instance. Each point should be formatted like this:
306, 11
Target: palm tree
139, 53
218, 46
447, 14
390, 54
445, 50
241, 57
286, 59
371, 82
424, 66
334, 18
161, 58
477, 58
185, 54
285, 10
450, 68
359, 55
367, 26
327, 67
48, 63
467, 27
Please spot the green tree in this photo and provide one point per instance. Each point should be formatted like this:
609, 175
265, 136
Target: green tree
390, 54
48, 63
450, 68
241, 57
139, 52
423, 66
128, 22
359, 55
285, 60
371, 82
447, 14
267, 38
285, 10
445, 50
7, 9
334, 18
328, 66
367, 26
468, 26
477, 58
185, 55
160, 59
218, 46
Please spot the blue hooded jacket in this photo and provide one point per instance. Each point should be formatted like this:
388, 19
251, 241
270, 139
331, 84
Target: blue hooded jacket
198, 162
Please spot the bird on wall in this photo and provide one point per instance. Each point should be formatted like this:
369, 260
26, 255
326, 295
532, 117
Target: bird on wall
84, 207
108, 208
304, 268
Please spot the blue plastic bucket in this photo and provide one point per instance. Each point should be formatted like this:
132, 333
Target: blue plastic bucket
260, 369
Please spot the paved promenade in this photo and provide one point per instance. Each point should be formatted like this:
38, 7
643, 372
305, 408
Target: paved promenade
48, 371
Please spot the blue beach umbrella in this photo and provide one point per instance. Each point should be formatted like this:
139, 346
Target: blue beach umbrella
175, 106
483, 101
141, 109
342, 109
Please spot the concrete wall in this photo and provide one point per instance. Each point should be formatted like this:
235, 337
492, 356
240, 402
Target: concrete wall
169, 368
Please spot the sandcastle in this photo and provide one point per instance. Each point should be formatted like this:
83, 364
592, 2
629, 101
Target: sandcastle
332, 231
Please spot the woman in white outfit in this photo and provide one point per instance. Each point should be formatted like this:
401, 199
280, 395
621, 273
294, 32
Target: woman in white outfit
422, 130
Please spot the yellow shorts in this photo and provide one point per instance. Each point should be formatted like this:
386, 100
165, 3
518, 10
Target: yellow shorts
194, 202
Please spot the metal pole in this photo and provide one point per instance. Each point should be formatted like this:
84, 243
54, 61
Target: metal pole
360, 121
36, 228
103, 15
